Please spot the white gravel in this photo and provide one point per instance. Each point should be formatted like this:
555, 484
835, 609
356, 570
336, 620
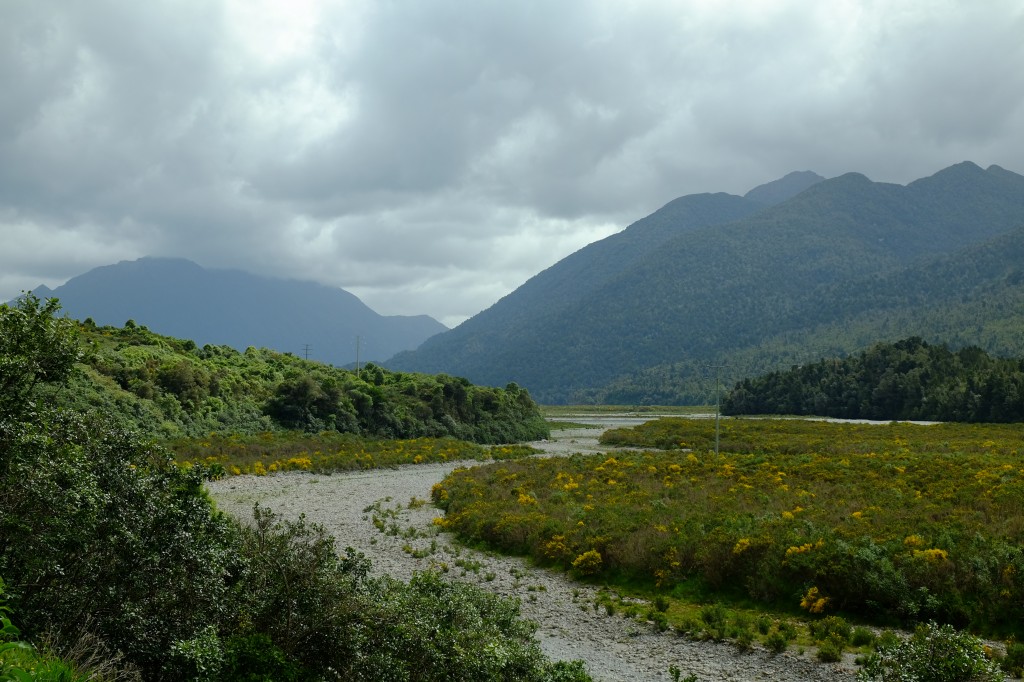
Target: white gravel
613, 647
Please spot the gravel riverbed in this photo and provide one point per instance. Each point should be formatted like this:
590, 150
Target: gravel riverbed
613, 648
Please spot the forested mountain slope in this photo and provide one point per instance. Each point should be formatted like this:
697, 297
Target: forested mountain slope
177, 297
714, 290
971, 297
567, 285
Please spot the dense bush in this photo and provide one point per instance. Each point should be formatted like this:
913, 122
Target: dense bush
295, 590
170, 388
98, 527
104, 540
933, 654
460, 633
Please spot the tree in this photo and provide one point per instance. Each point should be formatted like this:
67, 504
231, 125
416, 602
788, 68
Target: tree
35, 347
311, 403
99, 530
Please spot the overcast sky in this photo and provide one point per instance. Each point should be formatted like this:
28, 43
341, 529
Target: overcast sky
431, 156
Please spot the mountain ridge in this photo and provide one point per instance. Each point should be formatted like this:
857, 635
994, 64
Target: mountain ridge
177, 297
786, 187
722, 286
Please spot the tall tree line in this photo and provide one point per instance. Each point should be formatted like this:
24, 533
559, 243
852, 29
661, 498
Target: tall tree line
909, 379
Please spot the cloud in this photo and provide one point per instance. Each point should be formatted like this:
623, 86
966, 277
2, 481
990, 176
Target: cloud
430, 157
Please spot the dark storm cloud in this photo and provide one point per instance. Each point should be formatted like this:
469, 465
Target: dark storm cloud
432, 156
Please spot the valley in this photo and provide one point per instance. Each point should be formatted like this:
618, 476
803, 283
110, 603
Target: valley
571, 626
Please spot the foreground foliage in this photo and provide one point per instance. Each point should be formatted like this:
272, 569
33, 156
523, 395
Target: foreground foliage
104, 540
895, 522
906, 380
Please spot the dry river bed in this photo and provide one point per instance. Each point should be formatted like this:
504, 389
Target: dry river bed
613, 648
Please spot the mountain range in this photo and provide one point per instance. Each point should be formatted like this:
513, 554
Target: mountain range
718, 285
709, 289
177, 297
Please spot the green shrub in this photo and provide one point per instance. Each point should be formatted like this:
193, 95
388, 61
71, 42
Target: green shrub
887, 639
830, 650
713, 615
716, 621
830, 627
862, 636
21, 662
255, 658
295, 589
1013, 662
788, 630
101, 531
565, 671
933, 654
776, 641
688, 626
659, 619
432, 629
199, 658
745, 640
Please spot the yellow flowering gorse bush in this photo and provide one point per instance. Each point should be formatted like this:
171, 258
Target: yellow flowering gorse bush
897, 519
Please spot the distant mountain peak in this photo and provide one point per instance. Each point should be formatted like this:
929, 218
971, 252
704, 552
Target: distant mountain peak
1001, 172
962, 168
786, 187
178, 297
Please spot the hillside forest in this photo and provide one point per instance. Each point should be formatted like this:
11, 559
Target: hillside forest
170, 387
907, 380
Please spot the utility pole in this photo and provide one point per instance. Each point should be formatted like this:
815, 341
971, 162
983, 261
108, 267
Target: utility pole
718, 406
305, 349
357, 356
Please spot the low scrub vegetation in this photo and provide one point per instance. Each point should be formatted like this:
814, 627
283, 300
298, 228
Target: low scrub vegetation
894, 522
269, 452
